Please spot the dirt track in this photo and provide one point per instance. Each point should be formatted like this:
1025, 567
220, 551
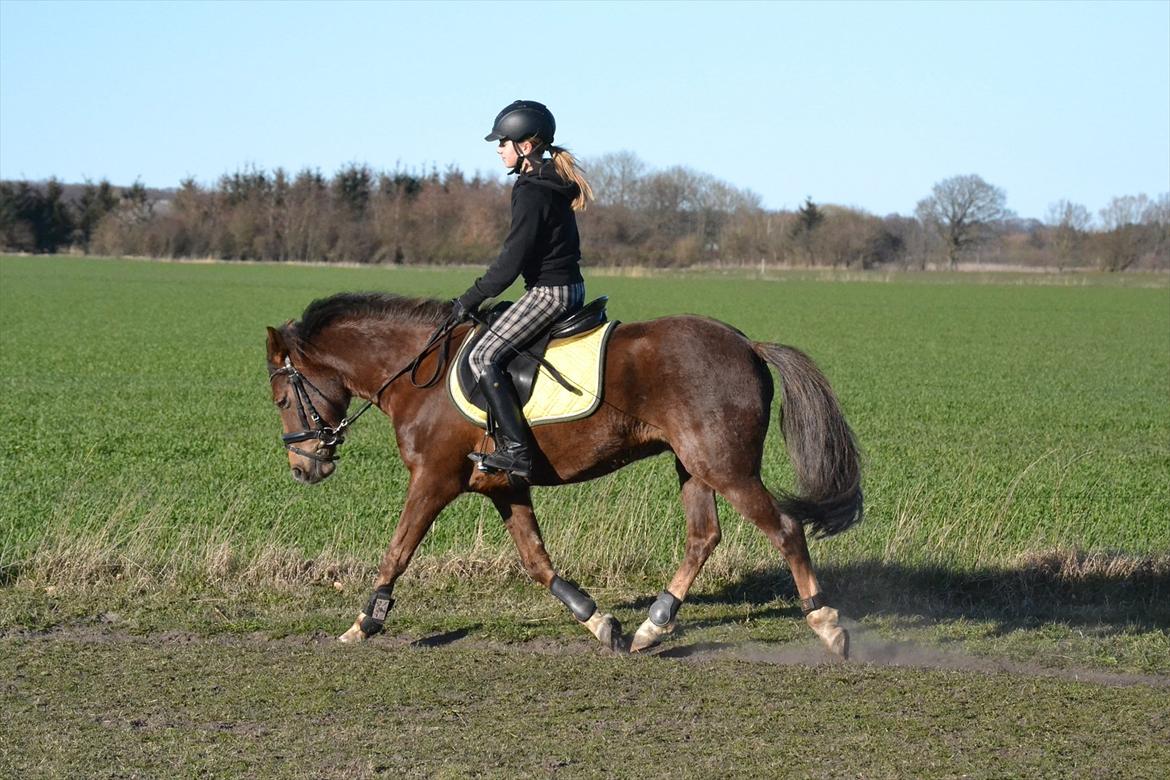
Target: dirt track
866, 650
454, 704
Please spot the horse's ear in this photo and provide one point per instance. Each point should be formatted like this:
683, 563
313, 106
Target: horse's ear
277, 350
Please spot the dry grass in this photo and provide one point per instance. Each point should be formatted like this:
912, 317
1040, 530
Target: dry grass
1067, 565
152, 556
966, 273
587, 541
606, 534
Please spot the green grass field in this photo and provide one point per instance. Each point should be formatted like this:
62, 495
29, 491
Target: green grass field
996, 418
167, 592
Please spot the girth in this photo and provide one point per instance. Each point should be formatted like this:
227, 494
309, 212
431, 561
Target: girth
523, 368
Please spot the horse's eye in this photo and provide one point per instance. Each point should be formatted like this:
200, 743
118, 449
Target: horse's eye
283, 402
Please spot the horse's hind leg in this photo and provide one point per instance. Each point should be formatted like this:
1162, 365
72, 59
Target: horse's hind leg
515, 507
702, 537
753, 500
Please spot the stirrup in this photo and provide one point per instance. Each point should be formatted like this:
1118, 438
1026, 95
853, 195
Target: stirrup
517, 470
522, 471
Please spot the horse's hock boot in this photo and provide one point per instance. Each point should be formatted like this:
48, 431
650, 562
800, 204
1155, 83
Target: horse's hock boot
511, 431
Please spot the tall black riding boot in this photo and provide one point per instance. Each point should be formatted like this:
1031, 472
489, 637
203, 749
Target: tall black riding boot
511, 431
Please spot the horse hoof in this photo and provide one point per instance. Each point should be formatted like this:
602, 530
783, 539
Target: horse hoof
353, 635
840, 646
649, 635
823, 622
608, 631
611, 635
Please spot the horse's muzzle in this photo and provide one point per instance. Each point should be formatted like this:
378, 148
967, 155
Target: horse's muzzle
312, 472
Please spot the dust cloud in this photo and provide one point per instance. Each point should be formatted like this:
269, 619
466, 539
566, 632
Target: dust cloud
867, 648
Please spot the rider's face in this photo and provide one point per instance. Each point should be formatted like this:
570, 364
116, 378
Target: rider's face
507, 152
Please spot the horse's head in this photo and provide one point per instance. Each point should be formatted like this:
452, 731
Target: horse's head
312, 400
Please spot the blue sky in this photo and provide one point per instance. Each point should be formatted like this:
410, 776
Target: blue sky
864, 104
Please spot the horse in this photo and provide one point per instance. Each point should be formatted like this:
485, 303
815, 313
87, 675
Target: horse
689, 385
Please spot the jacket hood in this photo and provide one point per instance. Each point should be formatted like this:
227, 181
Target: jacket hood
546, 177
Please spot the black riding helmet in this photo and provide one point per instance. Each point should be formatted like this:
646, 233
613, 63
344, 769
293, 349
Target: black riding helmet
522, 119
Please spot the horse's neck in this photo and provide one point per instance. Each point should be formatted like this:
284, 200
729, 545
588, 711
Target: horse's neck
367, 356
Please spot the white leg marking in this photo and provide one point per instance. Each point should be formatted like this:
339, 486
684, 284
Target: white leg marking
823, 621
354, 634
598, 625
649, 634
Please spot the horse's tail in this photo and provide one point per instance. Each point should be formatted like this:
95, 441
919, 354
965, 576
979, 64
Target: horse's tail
820, 444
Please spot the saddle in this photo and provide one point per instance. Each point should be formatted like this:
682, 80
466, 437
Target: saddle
579, 338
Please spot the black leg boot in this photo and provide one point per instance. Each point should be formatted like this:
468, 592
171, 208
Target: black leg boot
511, 431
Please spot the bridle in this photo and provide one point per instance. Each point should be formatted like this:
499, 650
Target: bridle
328, 435
313, 426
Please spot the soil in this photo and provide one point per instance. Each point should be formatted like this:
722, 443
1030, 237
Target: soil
865, 650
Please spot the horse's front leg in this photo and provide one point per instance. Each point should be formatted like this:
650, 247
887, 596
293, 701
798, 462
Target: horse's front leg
425, 499
515, 507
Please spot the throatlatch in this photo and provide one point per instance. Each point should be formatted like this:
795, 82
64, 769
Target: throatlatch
376, 610
574, 598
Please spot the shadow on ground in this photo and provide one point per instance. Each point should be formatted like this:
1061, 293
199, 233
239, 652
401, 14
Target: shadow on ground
445, 638
1098, 592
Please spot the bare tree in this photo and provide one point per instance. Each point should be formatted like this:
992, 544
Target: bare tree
669, 217
1069, 222
1064, 213
1157, 219
1124, 210
1158, 211
616, 178
1125, 239
962, 210
909, 239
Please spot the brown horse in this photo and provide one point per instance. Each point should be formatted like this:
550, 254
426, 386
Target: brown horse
689, 385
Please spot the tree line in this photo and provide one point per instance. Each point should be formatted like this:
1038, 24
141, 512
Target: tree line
676, 217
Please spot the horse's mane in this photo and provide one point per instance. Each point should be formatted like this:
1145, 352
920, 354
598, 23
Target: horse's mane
368, 305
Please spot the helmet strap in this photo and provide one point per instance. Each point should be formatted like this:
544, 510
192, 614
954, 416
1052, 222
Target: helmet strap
520, 158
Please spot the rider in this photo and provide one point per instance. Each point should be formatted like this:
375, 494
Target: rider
544, 246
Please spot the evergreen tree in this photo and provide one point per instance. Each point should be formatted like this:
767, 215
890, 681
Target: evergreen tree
809, 216
94, 204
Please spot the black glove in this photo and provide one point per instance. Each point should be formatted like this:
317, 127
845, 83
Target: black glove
459, 312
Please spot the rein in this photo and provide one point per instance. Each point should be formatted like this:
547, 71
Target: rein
334, 436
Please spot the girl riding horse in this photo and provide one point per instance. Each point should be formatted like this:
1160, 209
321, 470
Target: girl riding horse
712, 416
542, 245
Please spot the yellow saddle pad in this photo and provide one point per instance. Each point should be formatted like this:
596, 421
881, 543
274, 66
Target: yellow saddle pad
579, 359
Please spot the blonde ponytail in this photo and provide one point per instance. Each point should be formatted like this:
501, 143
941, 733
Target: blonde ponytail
567, 169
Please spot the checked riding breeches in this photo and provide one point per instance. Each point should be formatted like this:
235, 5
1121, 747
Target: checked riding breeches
524, 320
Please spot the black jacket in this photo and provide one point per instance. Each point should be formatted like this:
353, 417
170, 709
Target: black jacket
543, 243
